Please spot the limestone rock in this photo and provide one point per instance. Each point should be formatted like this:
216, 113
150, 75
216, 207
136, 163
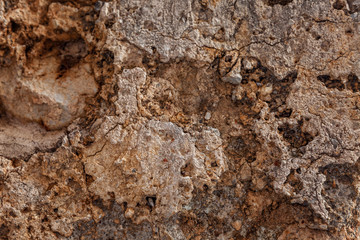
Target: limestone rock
192, 119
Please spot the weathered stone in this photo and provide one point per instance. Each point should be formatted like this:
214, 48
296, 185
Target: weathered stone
179, 119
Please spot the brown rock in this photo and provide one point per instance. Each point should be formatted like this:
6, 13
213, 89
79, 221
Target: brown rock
211, 119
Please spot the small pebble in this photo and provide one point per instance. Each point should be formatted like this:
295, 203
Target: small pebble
236, 225
129, 213
207, 116
250, 63
232, 78
151, 202
238, 93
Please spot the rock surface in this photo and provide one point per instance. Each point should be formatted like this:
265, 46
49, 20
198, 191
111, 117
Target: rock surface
192, 119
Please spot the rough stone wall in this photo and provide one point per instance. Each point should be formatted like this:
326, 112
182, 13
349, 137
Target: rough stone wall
187, 119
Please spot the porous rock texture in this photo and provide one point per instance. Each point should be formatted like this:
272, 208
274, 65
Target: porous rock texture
187, 119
